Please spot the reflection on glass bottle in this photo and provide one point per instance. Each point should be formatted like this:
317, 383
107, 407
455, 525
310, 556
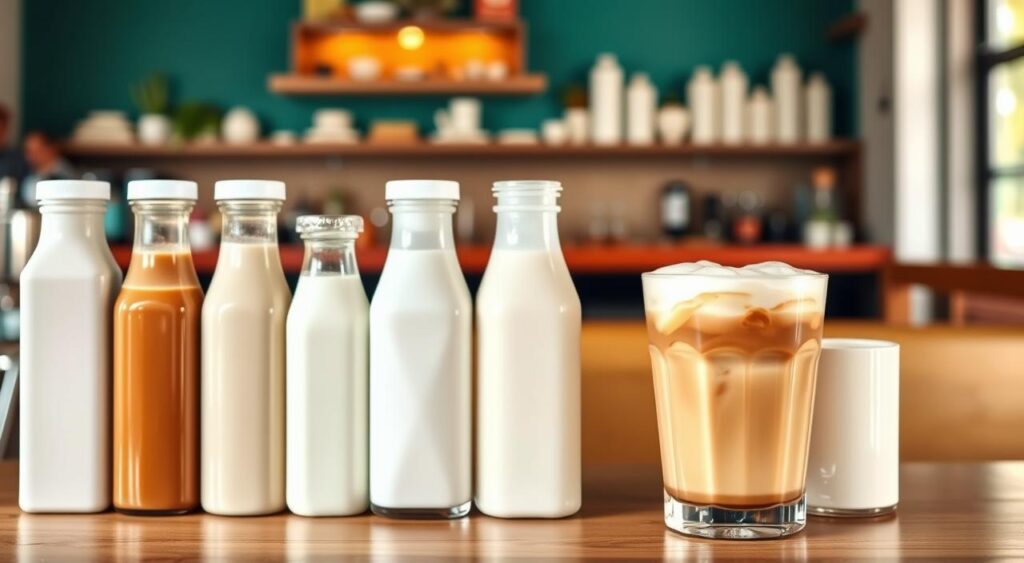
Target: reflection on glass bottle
676, 209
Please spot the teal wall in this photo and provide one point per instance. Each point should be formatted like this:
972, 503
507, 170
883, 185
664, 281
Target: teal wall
81, 55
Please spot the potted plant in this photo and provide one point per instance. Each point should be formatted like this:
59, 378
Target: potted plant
197, 121
150, 96
576, 114
673, 121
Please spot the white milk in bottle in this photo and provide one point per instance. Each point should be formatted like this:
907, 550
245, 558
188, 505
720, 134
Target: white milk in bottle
243, 356
528, 363
420, 319
68, 289
328, 394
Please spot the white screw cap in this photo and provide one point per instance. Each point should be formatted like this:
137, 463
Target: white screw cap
72, 189
249, 189
162, 189
421, 189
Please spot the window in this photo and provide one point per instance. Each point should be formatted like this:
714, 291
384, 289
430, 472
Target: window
1001, 174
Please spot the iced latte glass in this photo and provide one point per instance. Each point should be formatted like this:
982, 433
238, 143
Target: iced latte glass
734, 353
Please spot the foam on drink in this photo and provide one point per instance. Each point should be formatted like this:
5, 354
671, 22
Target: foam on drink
734, 353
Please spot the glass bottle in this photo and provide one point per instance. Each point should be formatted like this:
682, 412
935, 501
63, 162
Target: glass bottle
67, 293
420, 348
243, 356
327, 377
156, 357
528, 363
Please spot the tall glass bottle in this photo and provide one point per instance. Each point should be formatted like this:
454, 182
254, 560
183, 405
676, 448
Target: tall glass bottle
243, 365
67, 293
156, 357
327, 379
420, 346
528, 363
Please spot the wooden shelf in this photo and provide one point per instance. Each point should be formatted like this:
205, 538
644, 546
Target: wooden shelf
426, 24
833, 149
312, 85
622, 259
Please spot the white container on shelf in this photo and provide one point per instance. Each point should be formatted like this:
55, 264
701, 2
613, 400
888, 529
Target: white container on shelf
327, 375
240, 127
641, 107
733, 87
154, 129
528, 363
787, 98
68, 288
420, 356
818, 99
702, 94
577, 125
606, 101
673, 124
760, 122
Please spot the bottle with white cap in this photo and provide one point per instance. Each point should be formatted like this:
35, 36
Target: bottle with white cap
67, 291
528, 363
243, 356
420, 349
156, 357
327, 379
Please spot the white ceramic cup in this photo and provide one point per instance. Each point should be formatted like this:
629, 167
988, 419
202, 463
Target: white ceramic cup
464, 114
853, 465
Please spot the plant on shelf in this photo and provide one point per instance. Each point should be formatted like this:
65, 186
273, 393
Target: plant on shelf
151, 98
673, 120
197, 121
428, 8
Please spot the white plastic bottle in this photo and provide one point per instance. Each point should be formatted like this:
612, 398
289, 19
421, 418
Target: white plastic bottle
68, 289
734, 99
641, 107
818, 100
420, 348
786, 95
606, 101
528, 363
702, 93
327, 380
243, 357
760, 126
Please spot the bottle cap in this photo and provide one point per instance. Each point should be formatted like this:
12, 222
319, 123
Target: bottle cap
347, 224
162, 189
421, 189
72, 189
248, 189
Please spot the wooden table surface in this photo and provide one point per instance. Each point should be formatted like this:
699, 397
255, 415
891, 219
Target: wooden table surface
946, 511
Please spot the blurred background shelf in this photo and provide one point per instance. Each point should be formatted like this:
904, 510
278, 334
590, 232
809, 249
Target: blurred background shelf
619, 259
312, 85
832, 149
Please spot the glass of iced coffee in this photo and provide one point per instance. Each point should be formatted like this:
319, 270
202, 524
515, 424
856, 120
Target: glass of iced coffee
734, 353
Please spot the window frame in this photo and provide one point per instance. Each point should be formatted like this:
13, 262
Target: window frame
988, 59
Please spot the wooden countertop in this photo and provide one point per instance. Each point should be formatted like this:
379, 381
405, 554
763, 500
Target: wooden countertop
946, 511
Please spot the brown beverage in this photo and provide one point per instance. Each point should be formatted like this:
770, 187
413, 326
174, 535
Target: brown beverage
734, 359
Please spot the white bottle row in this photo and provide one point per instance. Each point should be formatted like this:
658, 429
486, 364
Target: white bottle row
325, 403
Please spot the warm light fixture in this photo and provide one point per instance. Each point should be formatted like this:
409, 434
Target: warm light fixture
410, 37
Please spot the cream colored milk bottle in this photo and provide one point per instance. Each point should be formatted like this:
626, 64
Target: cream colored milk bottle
328, 395
420, 382
528, 363
68, 289
243, 357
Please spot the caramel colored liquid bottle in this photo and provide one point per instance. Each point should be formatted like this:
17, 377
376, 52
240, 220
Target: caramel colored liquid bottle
156, 357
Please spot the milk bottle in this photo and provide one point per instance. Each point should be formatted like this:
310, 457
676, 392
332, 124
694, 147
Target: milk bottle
528, 363
327, 378
243, 356
420, 422
68, 289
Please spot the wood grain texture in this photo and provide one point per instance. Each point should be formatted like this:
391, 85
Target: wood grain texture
946, 511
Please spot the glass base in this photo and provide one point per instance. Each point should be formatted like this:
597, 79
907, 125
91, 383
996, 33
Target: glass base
423, 513
851, 512
731, 524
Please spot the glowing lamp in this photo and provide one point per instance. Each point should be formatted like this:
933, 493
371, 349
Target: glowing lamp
410, 37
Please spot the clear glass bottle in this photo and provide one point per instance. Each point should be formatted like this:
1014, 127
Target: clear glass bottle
67, 293
420, 350
243, 356
327, 377
528, 363
156, 357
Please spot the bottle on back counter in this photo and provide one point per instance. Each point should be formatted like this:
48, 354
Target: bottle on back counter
67, 291
156, 357
676, 209
528, 363
420, 356
243, 356
327, 390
